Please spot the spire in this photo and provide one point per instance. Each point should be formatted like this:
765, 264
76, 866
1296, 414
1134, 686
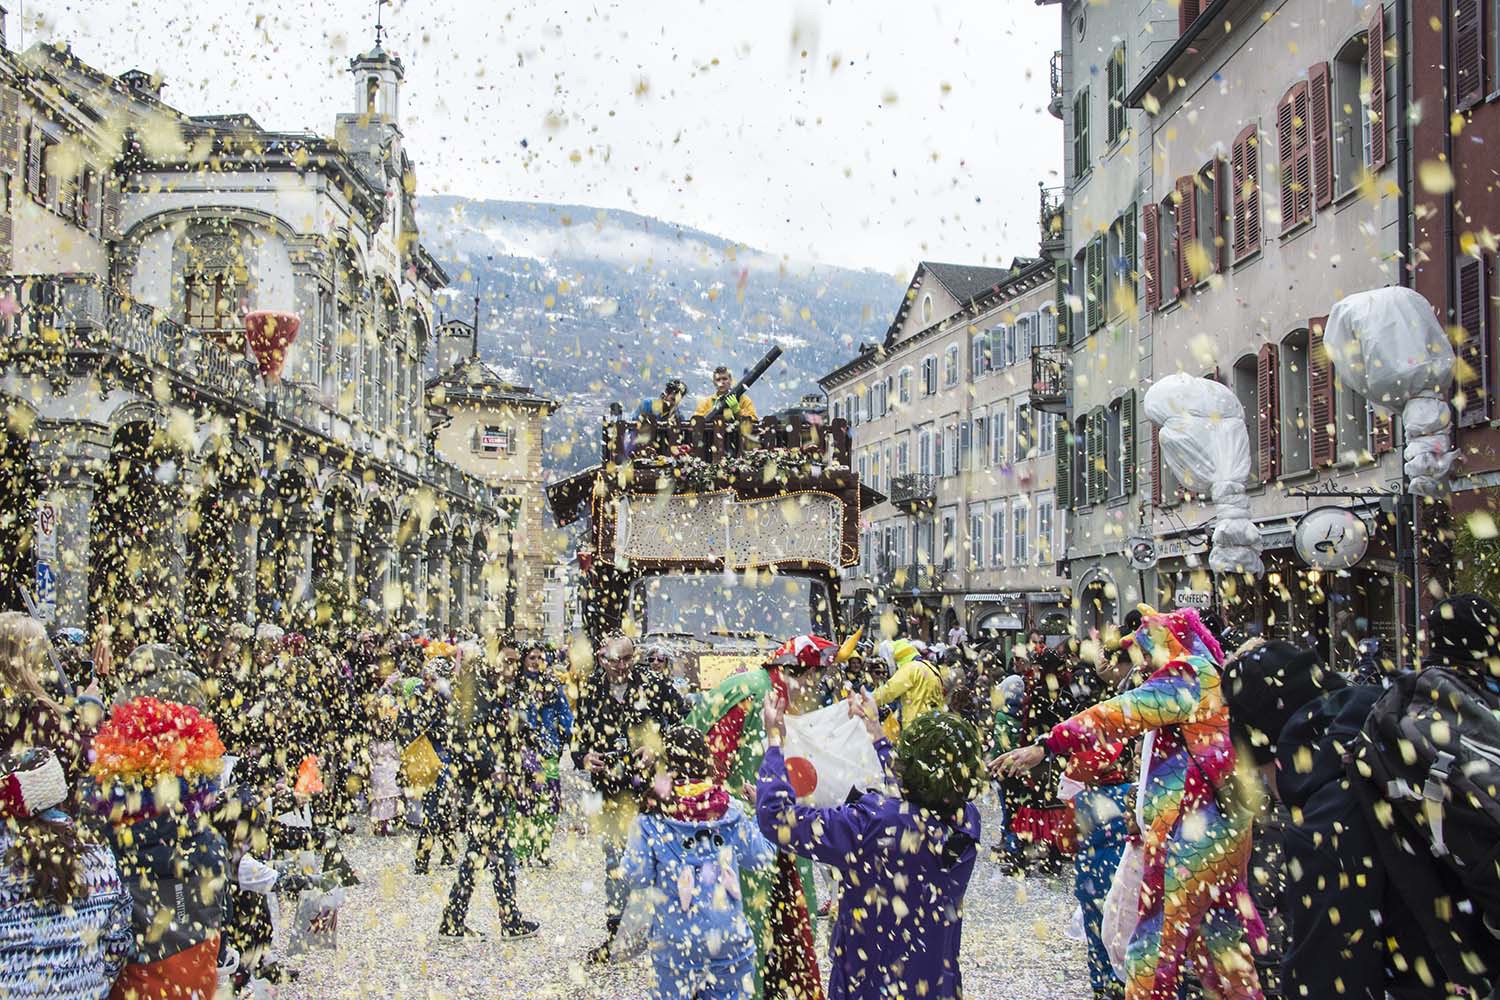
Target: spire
379, 24
474, 349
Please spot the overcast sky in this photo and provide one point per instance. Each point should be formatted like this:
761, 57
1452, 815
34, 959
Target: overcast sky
866, 133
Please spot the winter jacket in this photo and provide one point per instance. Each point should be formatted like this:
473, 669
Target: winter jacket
548, 715
56, 952
897, 863
919, 686
692, 870
28, 722
615, 728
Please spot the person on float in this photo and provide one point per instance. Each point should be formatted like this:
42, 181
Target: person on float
1195, 902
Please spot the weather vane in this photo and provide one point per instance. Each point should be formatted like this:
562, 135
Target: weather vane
379, 26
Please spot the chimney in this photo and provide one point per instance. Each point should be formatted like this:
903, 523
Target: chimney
142, 84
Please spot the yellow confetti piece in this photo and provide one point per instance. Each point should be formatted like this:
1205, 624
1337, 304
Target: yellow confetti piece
1435, 176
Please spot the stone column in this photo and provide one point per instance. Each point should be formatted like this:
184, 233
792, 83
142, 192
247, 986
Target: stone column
69, 458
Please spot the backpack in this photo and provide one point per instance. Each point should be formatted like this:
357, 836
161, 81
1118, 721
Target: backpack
1430, 748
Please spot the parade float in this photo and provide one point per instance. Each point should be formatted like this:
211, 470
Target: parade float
715, 536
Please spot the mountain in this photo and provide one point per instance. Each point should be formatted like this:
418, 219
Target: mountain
592, 306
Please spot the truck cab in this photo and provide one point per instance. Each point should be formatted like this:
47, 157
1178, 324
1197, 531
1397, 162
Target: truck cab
717, 541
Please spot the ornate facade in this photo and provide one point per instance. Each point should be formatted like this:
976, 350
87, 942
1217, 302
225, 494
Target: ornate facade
171, 481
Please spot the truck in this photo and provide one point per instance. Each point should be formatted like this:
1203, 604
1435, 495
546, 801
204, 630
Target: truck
716, 538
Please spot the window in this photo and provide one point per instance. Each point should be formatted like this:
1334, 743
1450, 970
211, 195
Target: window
866, 566
1044, 533
1166, 263
1081, 157
924, 450
1352, 424
979, 355
981, 437
1244, 378
898, 548
997, 535
926, 309
1209, 218
1244, 169
870, 412
863, 466
965, 446
837, 409
998, 436
1025, 336
1096, 283
1295, 152
1018, 533
1047, 330
1115, 74
1077, 288
210, 301
1188, 12
976, 539
950, 366
854, 410
1121, 264
903, 456
929, 375
874, 467
1023, 432
950, 449
950, 540
1081, 464
1046, 433
923, 539
903, 386
1296, 423
1353, 125
1113, 451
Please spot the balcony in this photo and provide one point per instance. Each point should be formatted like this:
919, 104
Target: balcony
1050, 376
918, 577
1055, 105
914, 492
1051, 219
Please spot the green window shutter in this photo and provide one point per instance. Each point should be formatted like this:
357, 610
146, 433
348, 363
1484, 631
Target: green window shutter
1094, 279
1063, 459
1127, 442
1097, 477
1132, 255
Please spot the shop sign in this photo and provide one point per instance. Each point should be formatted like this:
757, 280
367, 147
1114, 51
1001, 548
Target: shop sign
1331, 538
1188, 598
1141, 551
1176, 548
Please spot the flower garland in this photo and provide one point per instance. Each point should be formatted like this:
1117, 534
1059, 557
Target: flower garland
760, 465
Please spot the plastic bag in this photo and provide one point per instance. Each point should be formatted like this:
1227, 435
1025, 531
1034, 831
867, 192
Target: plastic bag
317, 922
420, 764
828, 754
1121, 911
1204, 441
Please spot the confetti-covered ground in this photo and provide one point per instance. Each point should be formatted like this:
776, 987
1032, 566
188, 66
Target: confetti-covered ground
1014, 945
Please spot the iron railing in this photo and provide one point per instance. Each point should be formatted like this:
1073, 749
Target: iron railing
1052, 213
913, 489
1055, 104
1050, 375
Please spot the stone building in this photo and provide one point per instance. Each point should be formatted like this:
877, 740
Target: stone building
1269, 193
941, 423
171, 480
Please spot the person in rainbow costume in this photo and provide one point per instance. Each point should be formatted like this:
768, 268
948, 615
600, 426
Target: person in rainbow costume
1194, 902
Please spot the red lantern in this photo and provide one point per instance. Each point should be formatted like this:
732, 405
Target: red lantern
269, 334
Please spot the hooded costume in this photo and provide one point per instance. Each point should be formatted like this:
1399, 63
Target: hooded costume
904, 867
1194, 900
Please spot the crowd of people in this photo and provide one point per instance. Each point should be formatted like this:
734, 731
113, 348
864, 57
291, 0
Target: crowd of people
1240, 819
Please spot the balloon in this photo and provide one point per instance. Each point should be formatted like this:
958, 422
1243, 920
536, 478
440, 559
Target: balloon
269, 334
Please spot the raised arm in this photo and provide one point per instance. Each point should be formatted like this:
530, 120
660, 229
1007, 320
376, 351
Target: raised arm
1168, 697
900, 683
830, 835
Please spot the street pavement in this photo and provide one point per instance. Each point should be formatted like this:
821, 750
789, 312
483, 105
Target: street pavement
1015, 947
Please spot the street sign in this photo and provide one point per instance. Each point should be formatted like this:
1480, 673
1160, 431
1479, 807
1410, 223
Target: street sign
1331, 538
46, 561
1141, 551
46, 592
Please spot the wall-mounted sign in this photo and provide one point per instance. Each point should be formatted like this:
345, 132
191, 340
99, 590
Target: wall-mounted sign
1331, 538
1188, 598
1141, 551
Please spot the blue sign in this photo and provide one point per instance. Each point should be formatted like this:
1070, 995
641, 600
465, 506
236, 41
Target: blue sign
46, 591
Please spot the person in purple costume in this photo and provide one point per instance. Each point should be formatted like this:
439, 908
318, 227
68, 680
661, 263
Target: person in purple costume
904, 860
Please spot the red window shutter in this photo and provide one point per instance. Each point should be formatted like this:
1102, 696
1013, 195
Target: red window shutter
1303, 172
1221, 238
1187, 13
1382, 434
1252, 189
1468, 52
1151, 227
1320, 101
1322, 412
1286, 151
1474, 353
34, 183
1156, 465
1237, 196
1187, 232
1376, 39
1268, 419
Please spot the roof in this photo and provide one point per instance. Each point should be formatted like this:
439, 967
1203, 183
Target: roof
1210, 15
963, 281
476, 381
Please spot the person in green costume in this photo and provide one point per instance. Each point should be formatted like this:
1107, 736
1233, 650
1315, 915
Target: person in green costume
778, 900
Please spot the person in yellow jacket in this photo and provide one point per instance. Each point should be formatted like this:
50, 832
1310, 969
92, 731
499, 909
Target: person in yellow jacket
734, 406
917, 683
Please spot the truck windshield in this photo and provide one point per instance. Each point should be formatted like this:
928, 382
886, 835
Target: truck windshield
704, 604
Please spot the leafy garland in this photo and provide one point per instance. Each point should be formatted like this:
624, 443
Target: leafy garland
760, 465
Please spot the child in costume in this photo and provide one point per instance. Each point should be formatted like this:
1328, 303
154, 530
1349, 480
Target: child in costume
690, 856
1006, 733
905, 862
386, 805
156, 772
1194, 903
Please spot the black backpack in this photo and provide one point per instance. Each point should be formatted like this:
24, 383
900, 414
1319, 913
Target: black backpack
1428, 766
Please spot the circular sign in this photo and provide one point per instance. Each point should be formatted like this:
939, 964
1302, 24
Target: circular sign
1141, 552
1331, 538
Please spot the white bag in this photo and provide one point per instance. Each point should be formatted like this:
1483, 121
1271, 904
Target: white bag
828, 754
317, 923
1121, 910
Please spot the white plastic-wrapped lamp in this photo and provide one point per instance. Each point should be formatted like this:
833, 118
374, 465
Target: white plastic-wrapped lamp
1386, 344
1204, 442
